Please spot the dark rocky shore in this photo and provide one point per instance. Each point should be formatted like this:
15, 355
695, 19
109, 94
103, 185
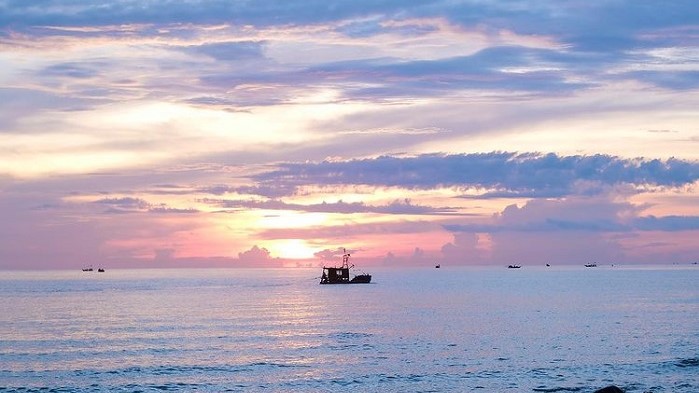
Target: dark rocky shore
609, 389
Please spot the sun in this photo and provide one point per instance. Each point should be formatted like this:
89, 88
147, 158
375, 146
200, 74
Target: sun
291, 249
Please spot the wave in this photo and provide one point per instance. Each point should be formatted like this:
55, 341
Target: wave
196, 369
349, 335
557, 389
689, 362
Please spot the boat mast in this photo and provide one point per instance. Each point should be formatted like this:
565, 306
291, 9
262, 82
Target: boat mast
345, 259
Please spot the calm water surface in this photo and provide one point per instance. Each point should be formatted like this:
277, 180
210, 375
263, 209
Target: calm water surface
535, 329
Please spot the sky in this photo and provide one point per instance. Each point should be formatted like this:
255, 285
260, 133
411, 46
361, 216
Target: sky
276, 133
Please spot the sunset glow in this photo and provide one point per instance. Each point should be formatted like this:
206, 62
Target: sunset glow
291, 249
276, 133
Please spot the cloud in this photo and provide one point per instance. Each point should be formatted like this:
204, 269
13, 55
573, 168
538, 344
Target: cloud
20, 104
259, 13
667, 223
80, 70
516, 174
229, 51
463, 249
352, 230
239, 38
506, 69
396, 207
601, 214
621, 17
255, 256
332, 255
397, 131
122, 205
174, 101
124, 202
172, 210
572, 230
418, 257
581, 214
555, 248
675, 80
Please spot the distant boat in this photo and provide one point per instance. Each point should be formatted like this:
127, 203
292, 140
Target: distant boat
591, 265
513, 266
547, 265
100, 270
437, 266
88, 269
341, 275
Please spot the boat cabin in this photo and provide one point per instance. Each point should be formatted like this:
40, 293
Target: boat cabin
335, 275
341, 275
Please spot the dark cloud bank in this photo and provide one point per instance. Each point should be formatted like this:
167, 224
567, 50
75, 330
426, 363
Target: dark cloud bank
502, 174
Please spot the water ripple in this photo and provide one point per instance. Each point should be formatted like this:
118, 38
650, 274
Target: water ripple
692, 362
557, 389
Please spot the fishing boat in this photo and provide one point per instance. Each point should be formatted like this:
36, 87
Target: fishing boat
591, 265
88, 269
341, 275
514, 266
100, 270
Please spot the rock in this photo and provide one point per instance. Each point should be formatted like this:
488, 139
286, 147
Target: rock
610, 389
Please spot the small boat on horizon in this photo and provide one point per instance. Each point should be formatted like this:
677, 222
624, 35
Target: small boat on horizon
591, 265
100, 270
514, 266
437, 266
341, 275
87, 269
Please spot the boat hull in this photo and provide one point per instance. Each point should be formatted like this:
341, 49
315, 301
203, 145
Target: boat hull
360, 279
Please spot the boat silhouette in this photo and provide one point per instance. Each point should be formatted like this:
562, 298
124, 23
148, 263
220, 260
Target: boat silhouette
341, 275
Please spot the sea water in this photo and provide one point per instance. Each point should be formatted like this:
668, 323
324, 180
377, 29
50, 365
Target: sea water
454, 329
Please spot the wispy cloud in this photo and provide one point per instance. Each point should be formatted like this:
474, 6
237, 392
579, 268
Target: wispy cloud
396, 207
667, 223
132, 205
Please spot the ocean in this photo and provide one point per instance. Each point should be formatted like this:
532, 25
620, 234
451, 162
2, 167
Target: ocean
454, 329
